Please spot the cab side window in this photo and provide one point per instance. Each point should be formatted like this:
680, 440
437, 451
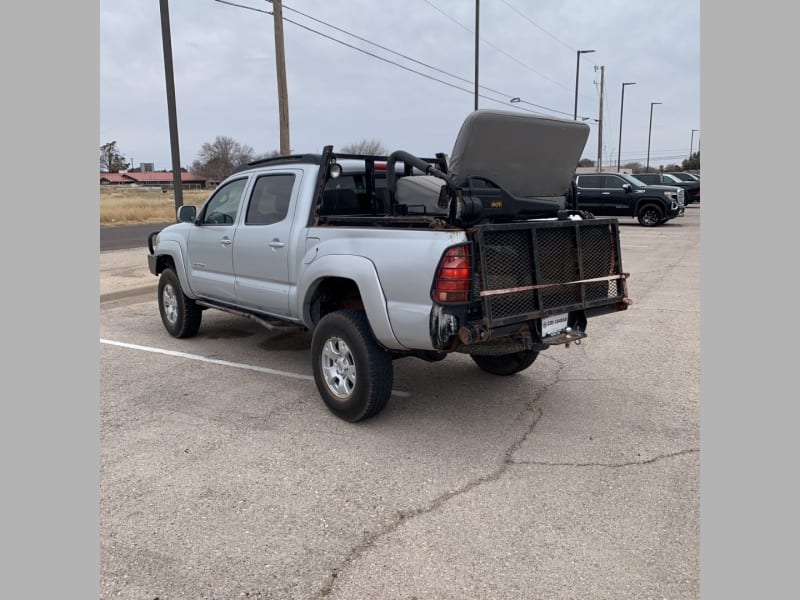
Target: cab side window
269, 202
613, 182
224, 204
590, 181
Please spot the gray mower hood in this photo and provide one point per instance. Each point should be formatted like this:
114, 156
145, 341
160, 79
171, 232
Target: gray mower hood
526, 154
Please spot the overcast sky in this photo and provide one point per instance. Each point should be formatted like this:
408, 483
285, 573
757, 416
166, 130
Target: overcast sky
226, 85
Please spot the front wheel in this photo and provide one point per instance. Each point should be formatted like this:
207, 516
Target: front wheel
353, 373
650, 215
506, 364
181, 315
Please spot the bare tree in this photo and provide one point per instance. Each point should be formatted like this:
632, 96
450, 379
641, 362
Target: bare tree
370, 147
693, 164
111, 159
216, 160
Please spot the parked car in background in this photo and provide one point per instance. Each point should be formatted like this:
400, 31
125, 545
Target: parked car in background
684, 175
623, 195
691, 188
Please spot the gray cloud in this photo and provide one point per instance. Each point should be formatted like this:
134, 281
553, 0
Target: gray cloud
225, 72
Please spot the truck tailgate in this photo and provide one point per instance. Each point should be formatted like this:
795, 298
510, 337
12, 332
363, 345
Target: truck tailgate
532, 269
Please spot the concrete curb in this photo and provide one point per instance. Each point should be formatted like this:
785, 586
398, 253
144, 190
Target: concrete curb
137, 291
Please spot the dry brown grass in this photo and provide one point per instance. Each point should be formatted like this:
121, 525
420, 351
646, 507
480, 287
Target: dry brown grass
135, 206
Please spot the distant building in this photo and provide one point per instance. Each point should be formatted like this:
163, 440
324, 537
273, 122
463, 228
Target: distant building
161, 180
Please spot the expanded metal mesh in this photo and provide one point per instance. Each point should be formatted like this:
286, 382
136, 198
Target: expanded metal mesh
560, 253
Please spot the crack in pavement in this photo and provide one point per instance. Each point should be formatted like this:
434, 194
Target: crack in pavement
632, 463
531, 411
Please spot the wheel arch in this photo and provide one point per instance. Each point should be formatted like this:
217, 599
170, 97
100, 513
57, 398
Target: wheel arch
334, 282
170, 255
655, 200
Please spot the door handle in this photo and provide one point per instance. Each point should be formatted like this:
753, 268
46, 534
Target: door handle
276, 244
225, 242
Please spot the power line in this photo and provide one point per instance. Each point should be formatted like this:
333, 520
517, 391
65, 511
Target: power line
500, 50
414, 60
504, 102
418, 61
266, 12
371, 54
535, 24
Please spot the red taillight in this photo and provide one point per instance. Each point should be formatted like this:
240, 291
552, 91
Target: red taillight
453, 277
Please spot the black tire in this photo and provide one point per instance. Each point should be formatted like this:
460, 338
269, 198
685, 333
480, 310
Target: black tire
181, 315
506, 364
353, 373
650, 215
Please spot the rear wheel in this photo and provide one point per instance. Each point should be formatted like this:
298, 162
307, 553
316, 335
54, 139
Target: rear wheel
650, 215
181, 315
506, 364
353, 373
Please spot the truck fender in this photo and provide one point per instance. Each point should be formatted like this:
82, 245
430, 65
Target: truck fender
362, 271
174, 250
651, 200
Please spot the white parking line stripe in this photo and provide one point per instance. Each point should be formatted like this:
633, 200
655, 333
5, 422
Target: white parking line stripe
224, 363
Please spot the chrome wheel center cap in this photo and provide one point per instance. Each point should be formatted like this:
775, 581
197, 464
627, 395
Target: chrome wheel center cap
341, 366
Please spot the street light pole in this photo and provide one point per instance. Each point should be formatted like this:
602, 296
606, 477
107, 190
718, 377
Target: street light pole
600, 122
477, 42
621, 104
577, 72
691, 143
649, 131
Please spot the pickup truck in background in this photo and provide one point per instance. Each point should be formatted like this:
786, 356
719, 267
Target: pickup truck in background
691, 187
384, 257
623, 195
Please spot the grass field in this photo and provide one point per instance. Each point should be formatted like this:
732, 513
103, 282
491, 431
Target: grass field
135, 206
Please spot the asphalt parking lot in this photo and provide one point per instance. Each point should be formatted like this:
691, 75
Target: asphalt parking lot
223, 475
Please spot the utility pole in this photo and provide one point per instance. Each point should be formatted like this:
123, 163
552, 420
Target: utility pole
600, 123
477, 38
173, 119
280, 69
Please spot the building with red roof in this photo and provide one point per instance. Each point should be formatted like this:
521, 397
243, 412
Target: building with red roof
151, 179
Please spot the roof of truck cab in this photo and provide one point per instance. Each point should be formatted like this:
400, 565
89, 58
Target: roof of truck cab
290, 159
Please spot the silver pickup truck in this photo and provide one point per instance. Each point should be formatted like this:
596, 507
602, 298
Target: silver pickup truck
385, 257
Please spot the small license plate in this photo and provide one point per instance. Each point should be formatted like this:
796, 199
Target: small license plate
554, 324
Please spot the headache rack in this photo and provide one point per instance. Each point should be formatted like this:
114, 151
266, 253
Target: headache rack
533, 269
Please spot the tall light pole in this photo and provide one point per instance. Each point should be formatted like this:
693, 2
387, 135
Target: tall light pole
577, 72
621, 104
691, 143
600, 122
477, 39
649, 131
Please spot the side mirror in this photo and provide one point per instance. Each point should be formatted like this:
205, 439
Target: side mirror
187, 213
626, 187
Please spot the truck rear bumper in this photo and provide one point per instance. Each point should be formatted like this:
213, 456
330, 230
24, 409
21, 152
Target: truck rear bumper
536, 284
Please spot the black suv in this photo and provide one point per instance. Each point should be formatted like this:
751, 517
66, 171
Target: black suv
691, 188
623, 195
